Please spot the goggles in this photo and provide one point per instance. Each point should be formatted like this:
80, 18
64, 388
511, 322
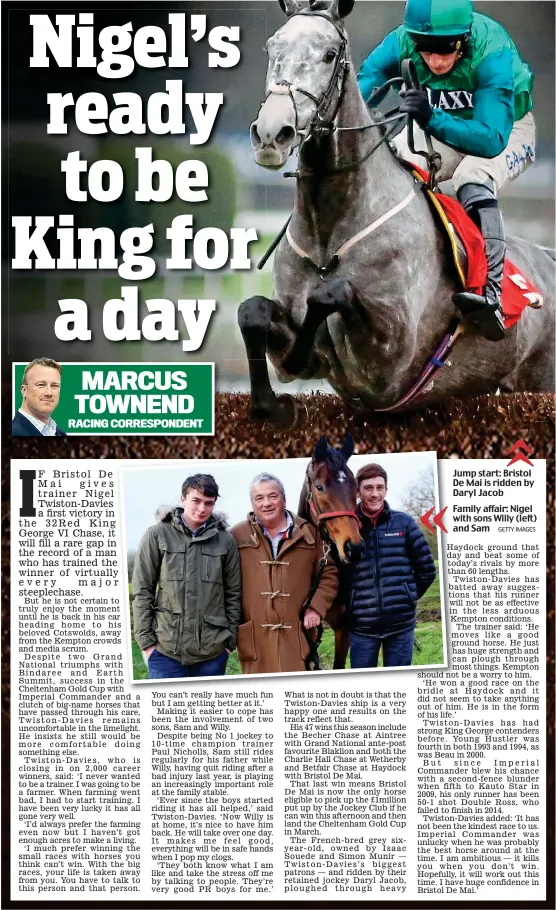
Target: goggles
438, 44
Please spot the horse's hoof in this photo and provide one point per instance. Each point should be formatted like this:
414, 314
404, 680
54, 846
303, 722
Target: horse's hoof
261, 413
290, 413
295, 362
285, 412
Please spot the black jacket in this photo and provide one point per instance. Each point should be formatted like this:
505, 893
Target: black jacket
23, 427
394, 572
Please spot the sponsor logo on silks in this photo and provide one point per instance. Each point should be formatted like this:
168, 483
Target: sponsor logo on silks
517, 160
455, 100
394, 534
535, 299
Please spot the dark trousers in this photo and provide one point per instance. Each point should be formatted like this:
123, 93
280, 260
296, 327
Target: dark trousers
397, 650
162, 667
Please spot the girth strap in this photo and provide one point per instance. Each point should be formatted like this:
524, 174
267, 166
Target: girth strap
425, 380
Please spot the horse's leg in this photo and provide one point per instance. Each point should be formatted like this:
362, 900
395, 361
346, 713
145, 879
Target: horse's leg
336, 618
255, 323
341, 648
325, 299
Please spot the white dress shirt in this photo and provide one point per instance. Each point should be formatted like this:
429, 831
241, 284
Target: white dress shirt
45, 429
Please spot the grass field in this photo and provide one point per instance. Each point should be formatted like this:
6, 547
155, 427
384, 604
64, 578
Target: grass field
428, 639
428, 650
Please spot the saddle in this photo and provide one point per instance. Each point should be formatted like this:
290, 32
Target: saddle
467, 247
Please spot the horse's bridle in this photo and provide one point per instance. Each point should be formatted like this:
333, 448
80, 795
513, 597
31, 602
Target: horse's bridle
337, 79
323, 517
319, 124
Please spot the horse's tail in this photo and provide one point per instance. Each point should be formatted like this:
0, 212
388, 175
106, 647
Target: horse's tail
549, 251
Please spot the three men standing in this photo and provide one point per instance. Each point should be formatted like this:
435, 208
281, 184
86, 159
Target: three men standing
197, 589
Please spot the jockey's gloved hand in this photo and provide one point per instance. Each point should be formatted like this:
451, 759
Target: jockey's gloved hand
415, 102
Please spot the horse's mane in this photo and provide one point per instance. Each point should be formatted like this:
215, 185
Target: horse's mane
336, 459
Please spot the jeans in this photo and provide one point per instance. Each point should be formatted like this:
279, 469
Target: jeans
162, 667
397, 650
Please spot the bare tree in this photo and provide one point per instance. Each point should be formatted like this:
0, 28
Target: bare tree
418, 499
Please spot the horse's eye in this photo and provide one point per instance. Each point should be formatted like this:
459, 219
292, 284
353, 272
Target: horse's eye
329, 56
319, 487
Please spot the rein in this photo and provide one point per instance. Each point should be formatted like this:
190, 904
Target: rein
351, 165
433, 159
312, 661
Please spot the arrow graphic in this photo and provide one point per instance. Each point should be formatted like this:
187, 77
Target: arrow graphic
437, 520
520, 444
519, 455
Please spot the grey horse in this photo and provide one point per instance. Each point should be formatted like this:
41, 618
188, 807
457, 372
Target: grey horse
366, 313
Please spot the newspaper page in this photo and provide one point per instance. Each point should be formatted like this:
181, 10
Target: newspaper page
263, 646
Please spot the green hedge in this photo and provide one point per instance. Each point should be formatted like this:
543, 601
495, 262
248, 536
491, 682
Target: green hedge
35, 185
218, 211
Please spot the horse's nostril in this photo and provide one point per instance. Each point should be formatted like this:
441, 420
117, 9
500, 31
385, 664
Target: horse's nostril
254, 136
354, 552
286, 134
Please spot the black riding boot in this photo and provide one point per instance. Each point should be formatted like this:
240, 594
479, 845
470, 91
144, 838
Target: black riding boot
485, 312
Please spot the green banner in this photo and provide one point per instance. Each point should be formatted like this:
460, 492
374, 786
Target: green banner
107, 399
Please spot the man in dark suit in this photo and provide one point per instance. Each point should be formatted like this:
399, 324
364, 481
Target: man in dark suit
40, 390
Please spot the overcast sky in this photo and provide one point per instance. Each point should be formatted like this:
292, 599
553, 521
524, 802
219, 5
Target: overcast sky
144, 489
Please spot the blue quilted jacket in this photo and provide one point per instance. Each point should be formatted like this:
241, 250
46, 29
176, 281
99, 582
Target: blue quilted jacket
395, 571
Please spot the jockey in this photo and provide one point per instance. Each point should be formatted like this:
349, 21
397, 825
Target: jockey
476, 105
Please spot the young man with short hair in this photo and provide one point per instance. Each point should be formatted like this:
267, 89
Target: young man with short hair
187, 588
384, 587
